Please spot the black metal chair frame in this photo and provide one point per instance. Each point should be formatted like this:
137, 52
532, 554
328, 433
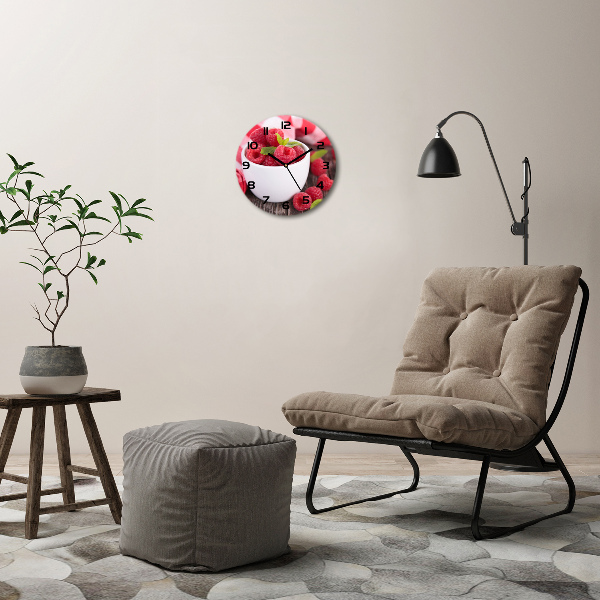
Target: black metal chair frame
527, 458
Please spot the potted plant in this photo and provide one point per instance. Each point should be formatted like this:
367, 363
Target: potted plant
64, 228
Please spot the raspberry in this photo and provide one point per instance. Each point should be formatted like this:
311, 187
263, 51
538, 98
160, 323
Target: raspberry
285, 153
326, 181
255, 156
314, 193
302, 201
299, 149
317, 167
270, 162
272, 136
258, 136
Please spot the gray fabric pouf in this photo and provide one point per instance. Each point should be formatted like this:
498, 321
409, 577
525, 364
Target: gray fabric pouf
206, 495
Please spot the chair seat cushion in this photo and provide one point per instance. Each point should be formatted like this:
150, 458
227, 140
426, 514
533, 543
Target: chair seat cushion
436, 418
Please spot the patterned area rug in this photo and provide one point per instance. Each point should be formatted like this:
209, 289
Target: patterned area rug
416, 546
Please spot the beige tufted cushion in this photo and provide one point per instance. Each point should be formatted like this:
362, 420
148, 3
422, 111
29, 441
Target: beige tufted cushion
476, 363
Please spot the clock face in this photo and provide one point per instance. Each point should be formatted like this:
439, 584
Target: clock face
286, 165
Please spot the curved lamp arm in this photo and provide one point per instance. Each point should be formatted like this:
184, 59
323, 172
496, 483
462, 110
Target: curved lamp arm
487, 141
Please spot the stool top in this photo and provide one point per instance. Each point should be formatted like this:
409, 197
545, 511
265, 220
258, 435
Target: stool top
88, 394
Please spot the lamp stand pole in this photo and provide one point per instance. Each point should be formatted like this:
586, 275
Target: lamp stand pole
525, 221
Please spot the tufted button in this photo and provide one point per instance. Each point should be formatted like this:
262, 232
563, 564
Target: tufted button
496, 373
446, 371
463, 315
513, 317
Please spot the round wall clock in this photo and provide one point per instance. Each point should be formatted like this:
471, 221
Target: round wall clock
286, 165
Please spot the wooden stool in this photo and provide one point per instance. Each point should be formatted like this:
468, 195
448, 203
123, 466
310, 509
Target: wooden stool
14, 404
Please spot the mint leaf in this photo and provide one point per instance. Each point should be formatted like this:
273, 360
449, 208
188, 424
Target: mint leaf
293, 143
267, 150
317, 154
285, 142
315, 203
279, 139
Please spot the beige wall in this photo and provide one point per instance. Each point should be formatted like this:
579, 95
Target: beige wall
225, 312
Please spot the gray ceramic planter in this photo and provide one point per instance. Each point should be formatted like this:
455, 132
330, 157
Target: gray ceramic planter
53, 370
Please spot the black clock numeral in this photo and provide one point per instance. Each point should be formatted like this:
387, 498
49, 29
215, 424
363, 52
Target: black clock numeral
306, 131
306, 199
286, 125
320, 184
265, 130
252, 145
266, 198
326, 165
320, 146
251, 185
286, 205
246, 164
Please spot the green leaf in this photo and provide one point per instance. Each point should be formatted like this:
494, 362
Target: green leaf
90, 261
117, 201
268, 150
20, 223
3, 230
28, 185
48, 259
26, 263
294, 144
11, 190
32, 173
317, 201
94, 202
93, 277
101, 263
92, 233
13, 174
29, 164
49, 268
2, 218
93, 215
17, 214
279, 139
45, 287
60, 295
317, 154
79, 204
137, 202
14, 160
66, 227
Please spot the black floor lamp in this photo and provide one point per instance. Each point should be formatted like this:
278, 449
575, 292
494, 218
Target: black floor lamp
439, 160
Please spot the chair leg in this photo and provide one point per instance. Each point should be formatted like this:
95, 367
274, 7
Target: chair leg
64, 453
102, 465
313, 479
508, 530
8, 435
34, 485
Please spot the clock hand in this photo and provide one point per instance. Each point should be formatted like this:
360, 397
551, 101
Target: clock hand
286, 166
272, 155
299, 157
294, 179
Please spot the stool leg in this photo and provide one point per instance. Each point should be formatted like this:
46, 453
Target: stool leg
8, 434
36, 459
64, 453
97, 448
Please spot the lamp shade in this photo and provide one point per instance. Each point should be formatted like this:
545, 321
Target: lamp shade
438, 160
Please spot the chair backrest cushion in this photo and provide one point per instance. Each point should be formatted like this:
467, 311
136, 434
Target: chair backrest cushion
488, 334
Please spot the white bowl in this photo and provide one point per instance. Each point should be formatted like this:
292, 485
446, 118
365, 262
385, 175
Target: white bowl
277, 182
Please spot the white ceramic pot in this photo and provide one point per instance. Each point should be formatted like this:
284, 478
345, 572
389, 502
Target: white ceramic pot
277, 182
